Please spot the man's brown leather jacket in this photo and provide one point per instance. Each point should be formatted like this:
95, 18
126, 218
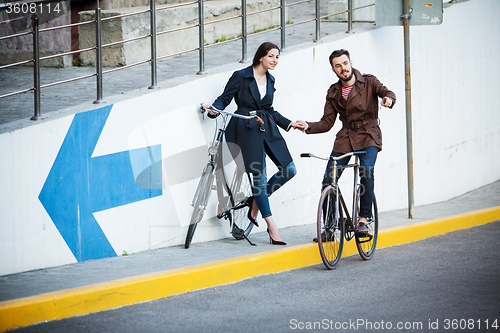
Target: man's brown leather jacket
359, 114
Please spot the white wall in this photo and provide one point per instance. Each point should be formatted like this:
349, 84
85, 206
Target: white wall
456, 134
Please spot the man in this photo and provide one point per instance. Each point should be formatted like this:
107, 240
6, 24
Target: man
355, 99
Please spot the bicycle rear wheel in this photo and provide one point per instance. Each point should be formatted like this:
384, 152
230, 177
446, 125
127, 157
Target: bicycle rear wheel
200, 204
330, 229
241, 225
366, 244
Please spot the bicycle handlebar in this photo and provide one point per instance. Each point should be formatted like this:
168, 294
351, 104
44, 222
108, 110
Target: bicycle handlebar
252, 114
333, 158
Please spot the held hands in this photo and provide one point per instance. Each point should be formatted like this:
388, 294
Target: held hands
387, 102
301, 125
294, 125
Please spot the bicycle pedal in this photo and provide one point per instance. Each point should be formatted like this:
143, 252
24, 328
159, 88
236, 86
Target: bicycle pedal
237, 232
224, 215
363, 238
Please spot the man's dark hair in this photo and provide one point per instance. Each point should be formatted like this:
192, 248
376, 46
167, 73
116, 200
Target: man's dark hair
262, 51
338, 53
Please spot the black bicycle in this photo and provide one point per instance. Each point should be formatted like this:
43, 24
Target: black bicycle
235, 197
334, 224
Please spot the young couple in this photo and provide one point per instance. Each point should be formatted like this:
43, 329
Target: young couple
354, 98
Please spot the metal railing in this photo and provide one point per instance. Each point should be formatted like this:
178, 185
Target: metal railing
153, 37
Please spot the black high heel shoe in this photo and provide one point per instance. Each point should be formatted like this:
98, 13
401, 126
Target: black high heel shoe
274, 242
249, 215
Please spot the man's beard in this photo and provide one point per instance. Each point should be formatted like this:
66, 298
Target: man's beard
345, 79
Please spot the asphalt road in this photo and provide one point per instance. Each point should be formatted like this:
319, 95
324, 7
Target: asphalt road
439, 284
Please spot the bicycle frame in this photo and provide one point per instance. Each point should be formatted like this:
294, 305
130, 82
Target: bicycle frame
339, 198
334, 182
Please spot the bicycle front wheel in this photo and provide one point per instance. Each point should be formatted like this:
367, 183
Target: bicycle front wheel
330, 228
241, 225
200, 203
366, 244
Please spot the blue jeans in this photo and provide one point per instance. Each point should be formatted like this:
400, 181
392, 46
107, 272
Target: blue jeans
366, 168
262, 188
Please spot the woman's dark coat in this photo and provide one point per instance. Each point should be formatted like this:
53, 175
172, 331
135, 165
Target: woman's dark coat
248, 134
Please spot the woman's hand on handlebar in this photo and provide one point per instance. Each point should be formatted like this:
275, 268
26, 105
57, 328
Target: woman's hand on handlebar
209, 107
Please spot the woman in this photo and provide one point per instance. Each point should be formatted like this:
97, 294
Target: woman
252, 89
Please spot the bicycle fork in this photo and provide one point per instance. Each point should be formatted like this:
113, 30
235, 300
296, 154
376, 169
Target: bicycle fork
209, 168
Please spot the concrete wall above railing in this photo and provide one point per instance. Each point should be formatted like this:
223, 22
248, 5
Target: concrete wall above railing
128, 27
365, 13
71, 189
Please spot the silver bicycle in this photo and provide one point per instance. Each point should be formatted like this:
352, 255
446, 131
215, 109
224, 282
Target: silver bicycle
235, 197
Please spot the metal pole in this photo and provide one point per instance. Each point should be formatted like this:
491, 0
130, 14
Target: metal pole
283, 23
36, 67
201, 34
409, 146
318, 34
98, 56
152, 17
349, 17
243, 31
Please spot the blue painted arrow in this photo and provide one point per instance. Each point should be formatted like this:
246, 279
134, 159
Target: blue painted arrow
78, 185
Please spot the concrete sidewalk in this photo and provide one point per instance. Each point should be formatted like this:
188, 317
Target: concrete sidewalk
61, 292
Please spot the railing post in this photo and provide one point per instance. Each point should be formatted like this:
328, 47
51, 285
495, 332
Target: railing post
283, 23
243, 31
201, 34
98, 55
318, 32
36, 68
152, 16
349, 16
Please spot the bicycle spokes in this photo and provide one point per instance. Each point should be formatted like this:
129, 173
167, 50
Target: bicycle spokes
331, 226
242, 203
366, 244
329, 229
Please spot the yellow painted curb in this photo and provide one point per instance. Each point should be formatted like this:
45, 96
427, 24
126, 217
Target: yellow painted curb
108, 295
416, 231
